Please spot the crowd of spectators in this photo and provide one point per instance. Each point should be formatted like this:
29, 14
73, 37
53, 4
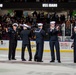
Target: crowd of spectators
7, 20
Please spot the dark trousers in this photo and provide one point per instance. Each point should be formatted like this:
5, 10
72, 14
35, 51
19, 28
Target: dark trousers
12, 50
56, 44
23, 51
74, 52
39, 51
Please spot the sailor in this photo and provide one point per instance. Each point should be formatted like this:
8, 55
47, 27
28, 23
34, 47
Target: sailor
25, 37
53, 41
39, 33
13, 41
74, 43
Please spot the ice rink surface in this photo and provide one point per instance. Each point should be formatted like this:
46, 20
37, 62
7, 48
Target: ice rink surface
67, 67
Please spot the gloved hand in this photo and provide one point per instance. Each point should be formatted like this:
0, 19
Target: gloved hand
72, 45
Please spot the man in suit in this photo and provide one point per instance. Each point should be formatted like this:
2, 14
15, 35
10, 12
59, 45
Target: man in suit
25, 36
74, 43
53, 35
13, 41
39, 33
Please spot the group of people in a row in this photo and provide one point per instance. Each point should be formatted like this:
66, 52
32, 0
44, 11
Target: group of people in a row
40, 34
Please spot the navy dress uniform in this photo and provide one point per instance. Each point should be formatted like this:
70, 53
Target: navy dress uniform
53, 36
74, 43
39, 33
13, 41
25, 36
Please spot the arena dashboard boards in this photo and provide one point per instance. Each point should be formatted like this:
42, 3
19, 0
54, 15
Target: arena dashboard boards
38, 5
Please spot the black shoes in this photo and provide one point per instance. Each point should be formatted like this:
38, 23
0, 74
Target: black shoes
52, 61
35, 59
39, 61
30, 60
23, 59
74, 61
59, 61
13, 59
9, 59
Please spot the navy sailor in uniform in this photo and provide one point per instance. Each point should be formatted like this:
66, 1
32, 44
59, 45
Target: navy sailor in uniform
39, 33
53, 41
13, 41
25, 37
74, 43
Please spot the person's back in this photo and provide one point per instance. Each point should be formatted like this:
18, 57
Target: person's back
25, 36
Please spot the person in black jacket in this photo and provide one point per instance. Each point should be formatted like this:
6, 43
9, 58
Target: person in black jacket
53, 35
13, 41
39, 33
74, 43
25, 36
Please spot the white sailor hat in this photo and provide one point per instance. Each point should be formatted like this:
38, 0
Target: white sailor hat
52, 22
40, 24
75, 27
25, 25
15, 24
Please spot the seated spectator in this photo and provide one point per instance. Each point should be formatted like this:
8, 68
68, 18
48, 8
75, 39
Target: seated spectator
68, 28
0, 32
5, 35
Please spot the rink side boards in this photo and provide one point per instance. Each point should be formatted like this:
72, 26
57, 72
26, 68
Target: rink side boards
64, 46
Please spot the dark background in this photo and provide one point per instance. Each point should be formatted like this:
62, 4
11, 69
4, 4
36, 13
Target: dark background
37, 6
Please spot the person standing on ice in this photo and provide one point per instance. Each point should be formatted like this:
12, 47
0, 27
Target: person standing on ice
53, 41
74, 43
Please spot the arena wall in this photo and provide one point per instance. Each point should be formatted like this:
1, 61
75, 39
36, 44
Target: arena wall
64, 46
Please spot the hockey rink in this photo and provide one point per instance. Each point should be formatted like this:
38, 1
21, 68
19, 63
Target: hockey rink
18, 67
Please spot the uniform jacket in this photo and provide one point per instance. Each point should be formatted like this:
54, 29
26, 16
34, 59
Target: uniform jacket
53, 34
39, 33
13, 36
25, 36
74, 36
